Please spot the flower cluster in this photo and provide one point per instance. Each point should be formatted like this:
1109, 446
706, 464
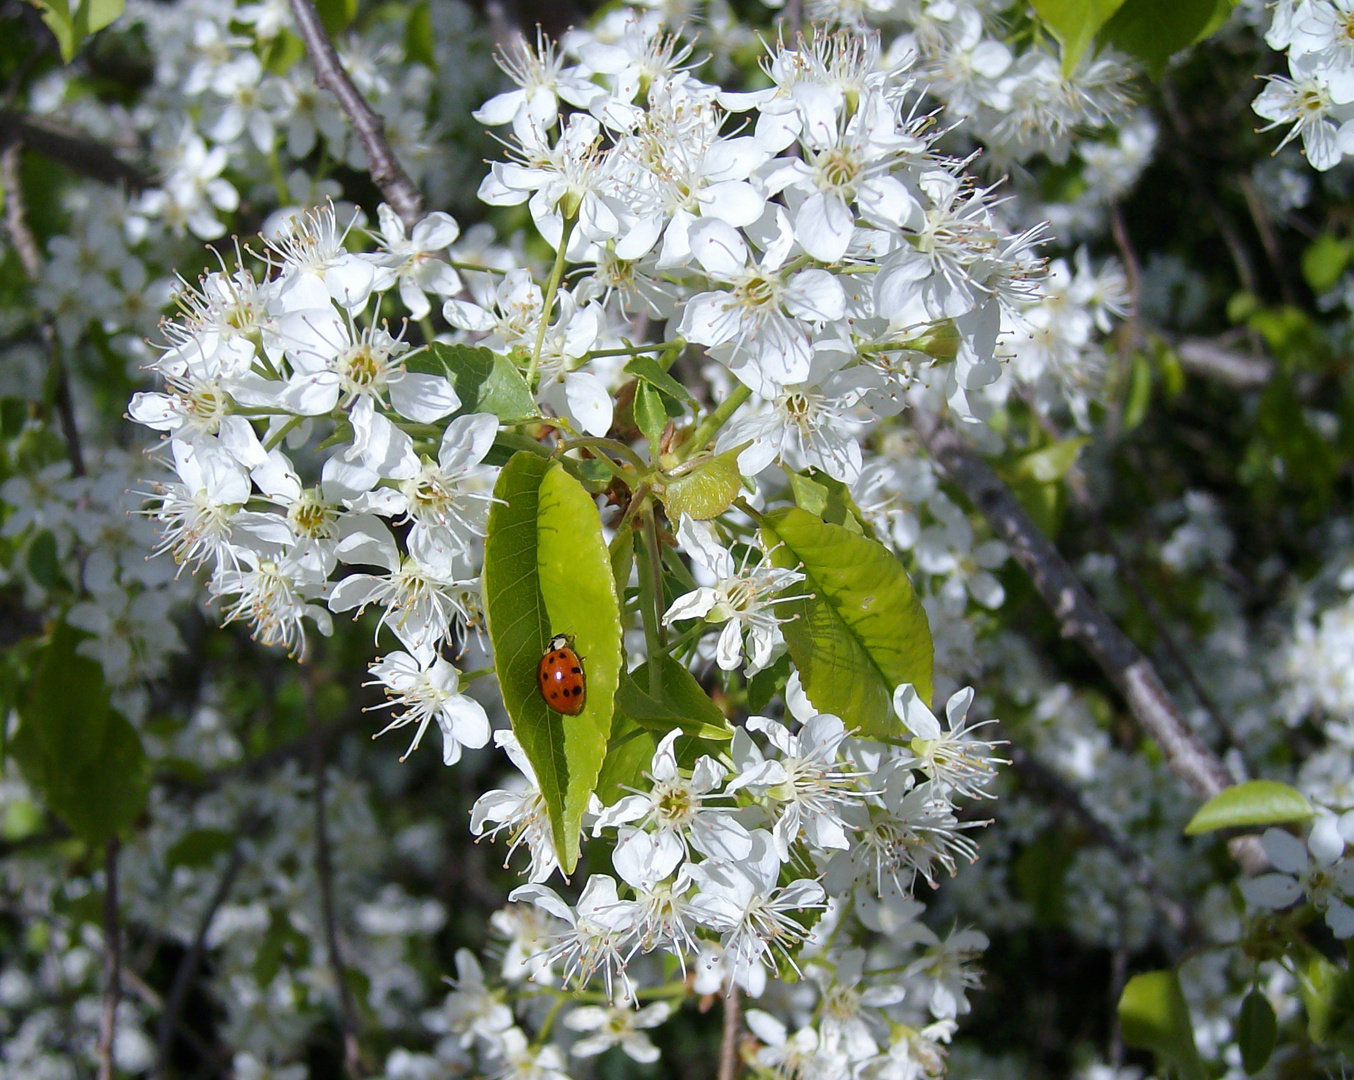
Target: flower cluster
1317, 95
703, 853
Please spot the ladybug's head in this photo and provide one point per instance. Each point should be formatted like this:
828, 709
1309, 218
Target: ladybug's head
560, 641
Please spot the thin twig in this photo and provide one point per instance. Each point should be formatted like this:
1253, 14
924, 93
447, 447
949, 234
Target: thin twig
324, 870
733, 1028
1217, 362
396, 187
1132, 270
1182, 153
30, 255
112, 958
183, 977
1269, 240
210, 1055
1081, 618
76, 151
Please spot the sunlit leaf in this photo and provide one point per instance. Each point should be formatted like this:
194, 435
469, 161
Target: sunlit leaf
1254, 803
860, 631
1153, 1016
546, 572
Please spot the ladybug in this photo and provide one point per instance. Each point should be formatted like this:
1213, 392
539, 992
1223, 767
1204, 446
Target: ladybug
560, 676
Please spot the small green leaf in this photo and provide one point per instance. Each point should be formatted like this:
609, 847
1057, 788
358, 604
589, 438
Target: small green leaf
1155, 30
547, 571
809, 495
767, 683
1325, 260
1075, 23
72, 25
1052, 463
43, 562
485, 381
198, 848
1139, 393
418, 35
1257, 1031
650, 415
683, 704
1256, 802
1153, 1015
828, 498
707, 488
629, 753
649, 370
861, 631
336, 15
1327, 993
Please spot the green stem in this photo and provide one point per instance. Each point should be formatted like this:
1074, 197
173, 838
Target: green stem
612, 445
475, 267
548, 302
544, 1033
651, 598
426, 325
714, 420
282, 432
515, 440
694, 634
636, 350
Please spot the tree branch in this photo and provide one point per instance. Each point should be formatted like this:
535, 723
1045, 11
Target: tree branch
183, 977
1079, 617
1077, 613
76, 151
733, 1026
324, 871
112, 963
1214, 361
396, 187
30, 255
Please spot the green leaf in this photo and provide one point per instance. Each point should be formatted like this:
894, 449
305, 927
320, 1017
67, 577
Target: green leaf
1327, 993
1052, 463
683, 703
1256, 802
828, 498
1139, 393
767, 683
485, 381
648, 370
1257, 1031
1153, 1016
418, 35
1154, 30
1075, 23
72, 25
706, 489
546, 572
336, 15
85, 759
199, 848
650, 415
862, 630
629, 753
43, 562
1325, 260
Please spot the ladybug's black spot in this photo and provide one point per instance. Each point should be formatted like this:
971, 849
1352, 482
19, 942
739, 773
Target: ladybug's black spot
576, 670
577, 690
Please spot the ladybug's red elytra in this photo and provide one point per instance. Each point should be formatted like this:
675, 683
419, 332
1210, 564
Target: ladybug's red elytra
560, 676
